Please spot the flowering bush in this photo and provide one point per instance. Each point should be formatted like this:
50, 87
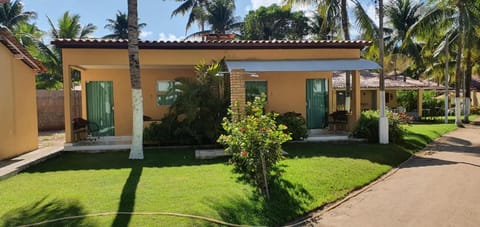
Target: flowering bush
254, 140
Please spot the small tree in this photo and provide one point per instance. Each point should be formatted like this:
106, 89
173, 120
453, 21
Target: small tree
255, 140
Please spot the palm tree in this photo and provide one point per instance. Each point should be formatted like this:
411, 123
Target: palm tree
219, 15
136, 151
11, 14
402, 15
119, 26
69, 27
192, 6
334, 12
457, 28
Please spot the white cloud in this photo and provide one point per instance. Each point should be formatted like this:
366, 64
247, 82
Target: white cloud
372, 13
168, 37
145, 34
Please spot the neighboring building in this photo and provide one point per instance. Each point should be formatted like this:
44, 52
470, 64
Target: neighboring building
370, 90
296, 75
18, 108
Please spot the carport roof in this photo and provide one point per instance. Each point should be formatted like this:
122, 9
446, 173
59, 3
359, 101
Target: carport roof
302, 65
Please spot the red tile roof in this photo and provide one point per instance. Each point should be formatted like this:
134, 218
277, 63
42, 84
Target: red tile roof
213, 44
17, 49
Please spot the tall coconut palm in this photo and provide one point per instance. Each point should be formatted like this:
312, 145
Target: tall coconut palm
136, 151
192, 7
119, 26
11, 13
402, 14
383, 120
219, 15
69, 27
335, 13
460, 21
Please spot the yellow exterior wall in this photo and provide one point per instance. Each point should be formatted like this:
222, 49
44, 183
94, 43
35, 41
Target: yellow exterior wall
286, 90
392, 103
18, 108
366, 100
122, 96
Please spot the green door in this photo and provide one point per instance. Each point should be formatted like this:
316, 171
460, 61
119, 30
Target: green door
317, 103
100, 106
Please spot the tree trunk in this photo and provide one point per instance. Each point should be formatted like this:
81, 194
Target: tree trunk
136, 151
468, 81
458, 70
345, 27
346, 36
383, 120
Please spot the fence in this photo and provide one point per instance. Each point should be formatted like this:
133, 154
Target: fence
50, 110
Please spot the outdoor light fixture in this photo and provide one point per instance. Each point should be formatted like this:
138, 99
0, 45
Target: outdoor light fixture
221, 74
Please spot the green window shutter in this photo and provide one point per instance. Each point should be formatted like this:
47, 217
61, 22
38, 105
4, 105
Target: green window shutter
255, 89
166, 93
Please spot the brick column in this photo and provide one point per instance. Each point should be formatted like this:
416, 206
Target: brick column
237, 90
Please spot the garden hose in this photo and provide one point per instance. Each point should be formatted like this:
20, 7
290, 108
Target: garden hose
211, 220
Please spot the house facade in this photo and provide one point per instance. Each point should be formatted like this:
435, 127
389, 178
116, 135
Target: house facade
18, 108
295, 75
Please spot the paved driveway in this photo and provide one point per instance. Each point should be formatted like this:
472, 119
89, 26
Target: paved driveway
438, 187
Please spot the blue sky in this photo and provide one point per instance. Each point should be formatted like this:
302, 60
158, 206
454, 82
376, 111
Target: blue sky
156, 13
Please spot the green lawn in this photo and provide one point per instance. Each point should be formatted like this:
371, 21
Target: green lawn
171, 180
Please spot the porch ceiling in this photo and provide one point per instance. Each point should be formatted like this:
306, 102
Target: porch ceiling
302, 65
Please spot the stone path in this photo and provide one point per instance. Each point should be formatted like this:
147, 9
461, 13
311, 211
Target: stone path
50, 144
438, 187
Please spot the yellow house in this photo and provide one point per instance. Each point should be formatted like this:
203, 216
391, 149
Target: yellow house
296, 75
18, 108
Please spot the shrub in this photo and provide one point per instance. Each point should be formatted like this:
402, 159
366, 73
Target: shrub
255, 140
296, 125
196, 115
475, 110
367, 127
409, 100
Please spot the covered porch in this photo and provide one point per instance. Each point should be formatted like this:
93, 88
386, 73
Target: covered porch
297, 77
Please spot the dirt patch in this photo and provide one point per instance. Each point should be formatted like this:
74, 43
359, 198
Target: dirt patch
51, 138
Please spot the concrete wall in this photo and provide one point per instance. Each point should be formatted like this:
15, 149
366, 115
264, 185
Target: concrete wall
18, 108
50, 111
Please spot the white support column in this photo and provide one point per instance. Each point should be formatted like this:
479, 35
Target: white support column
458, 115
383, 121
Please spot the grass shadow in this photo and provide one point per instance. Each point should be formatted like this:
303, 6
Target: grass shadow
287, 202
119, 160
44, 210
127, 199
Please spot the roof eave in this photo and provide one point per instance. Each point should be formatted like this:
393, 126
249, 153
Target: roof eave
233, 44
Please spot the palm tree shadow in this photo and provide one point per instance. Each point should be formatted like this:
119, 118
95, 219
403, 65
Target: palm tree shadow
287, 202
44, 210
127, 199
